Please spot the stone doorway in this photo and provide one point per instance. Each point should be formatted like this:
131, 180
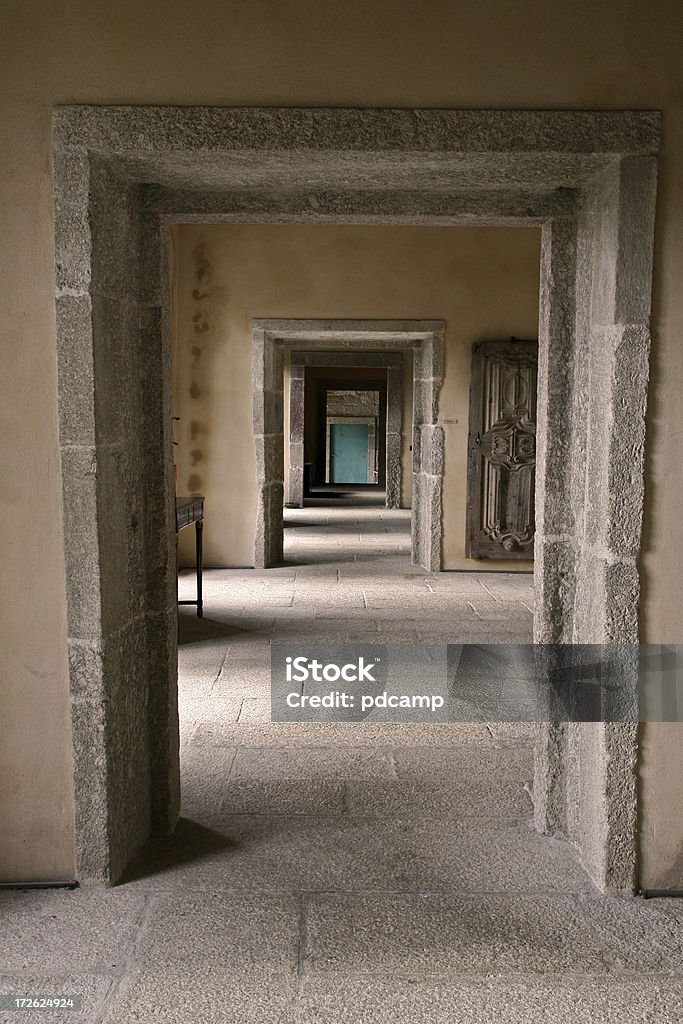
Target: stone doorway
345, 343
390, 366
122, 176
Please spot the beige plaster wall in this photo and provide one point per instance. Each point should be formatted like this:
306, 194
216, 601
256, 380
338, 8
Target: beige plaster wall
620, 53
482, 281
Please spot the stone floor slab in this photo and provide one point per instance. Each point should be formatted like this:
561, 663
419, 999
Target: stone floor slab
642, 928
291, 853
186, 996
313, 763
344, 734
488, 767
424, 936
61, 931
205, 932
282, 796
480, 857
496, 1001
271, 853
205, 777
469, 799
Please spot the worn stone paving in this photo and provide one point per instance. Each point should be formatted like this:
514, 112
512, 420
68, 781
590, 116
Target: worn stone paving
378, 873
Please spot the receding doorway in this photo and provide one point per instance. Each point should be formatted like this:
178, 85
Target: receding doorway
287, 348
346, 438
123, 176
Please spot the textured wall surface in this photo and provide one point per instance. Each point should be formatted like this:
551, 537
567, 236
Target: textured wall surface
353, 403
617, 54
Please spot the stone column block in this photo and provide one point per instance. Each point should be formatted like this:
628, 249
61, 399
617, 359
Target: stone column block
121, 538
75, 369
268, 538
394, 400
393, 471
620, 745
636, 218
417, 449
589, 625
625, 485
270, 466
425, 401
151, 288
268, 411
73, 243
119, 386
550, 752
555, 567
295, 491
432, 450
164, 752
82, 543
622, 600
91, 784
115, 235
555, 359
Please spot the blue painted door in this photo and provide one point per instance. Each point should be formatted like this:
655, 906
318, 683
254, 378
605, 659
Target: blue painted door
348, 453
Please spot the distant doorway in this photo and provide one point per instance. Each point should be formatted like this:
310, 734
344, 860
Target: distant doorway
363, 387
348, 343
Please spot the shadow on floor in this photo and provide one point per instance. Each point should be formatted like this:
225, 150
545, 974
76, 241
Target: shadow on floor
326, 495
189, 842
192, 630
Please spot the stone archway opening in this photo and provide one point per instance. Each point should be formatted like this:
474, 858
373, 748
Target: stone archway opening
388, 363
122, 175
345, 342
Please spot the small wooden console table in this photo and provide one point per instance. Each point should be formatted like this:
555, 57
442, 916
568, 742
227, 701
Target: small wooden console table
188, 511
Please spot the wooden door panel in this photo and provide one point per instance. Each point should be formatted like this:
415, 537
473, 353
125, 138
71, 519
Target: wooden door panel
502, 450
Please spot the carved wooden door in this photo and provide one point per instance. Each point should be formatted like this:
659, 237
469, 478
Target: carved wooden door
502, 450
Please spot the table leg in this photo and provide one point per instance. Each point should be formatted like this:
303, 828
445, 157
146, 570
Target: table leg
177, 595
199, 534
